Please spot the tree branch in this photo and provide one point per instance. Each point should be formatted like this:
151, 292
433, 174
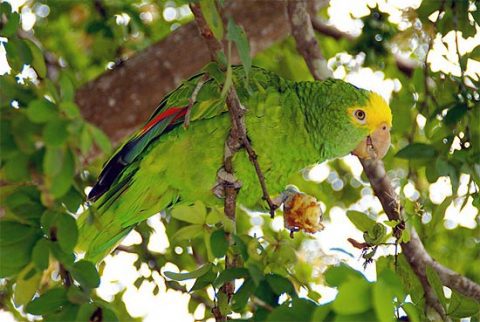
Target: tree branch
413, 250
307, 45
233, 144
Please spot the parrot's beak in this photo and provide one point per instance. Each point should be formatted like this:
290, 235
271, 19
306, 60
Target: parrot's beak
376, 145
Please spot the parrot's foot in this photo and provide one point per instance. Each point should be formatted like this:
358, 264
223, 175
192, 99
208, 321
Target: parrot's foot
223, 177
300, 211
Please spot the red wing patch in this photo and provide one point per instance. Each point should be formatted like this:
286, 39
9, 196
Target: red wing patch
169, 112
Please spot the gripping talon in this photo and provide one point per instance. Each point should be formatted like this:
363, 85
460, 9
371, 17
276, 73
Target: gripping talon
223, 177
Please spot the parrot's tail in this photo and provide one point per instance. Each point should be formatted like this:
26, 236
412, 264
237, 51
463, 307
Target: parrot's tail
99, 235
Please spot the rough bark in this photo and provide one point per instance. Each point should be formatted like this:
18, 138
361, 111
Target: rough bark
307, 45
122, 98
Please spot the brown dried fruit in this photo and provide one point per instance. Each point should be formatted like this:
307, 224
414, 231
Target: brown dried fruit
302, 212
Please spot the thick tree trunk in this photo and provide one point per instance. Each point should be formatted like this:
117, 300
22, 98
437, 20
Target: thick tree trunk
121, 99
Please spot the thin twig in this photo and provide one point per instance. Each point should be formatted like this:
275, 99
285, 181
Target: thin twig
262, 304
261, 178
413, 250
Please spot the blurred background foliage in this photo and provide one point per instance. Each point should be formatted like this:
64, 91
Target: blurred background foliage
53, 47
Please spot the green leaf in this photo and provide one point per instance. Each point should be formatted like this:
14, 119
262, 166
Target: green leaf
383, 301
12, 232
55, 133
353, 297
48, 302
417, 151
376, 234
61, 183
222, 303
280, 284
337, 275
230, 274
77, 296
67, 232
240, 298
255, 272
240, 247
214, 217
16, 253
187, 233
436, 284
186, 276
66, 87
321, 313
85, 273
53, 161
70, 109
40, 254
66, 258
26, 285
462, 307
101, 140
10, 28
443, 167
314, 295
455, 114
219, 243
300, 310
236, 34
41, 111
194, 214
405, 238
212, 17
360, 220
412, 312
38, 61
16, 168
86, 139
204, 280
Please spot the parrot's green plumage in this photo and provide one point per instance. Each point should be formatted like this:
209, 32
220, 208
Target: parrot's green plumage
291, 125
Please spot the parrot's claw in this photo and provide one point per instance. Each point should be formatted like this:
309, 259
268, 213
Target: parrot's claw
223, 177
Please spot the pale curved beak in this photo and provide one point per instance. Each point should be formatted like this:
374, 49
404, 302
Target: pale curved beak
376, 145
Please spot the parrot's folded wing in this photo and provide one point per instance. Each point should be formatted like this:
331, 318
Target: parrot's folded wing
169, 114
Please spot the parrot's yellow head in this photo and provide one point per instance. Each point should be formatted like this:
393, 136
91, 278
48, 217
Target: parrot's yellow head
376, 117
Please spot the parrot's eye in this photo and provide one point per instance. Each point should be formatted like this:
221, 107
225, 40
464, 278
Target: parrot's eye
359, 115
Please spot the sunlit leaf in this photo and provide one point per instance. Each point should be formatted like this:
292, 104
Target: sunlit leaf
26, 285
360, 220
212, 17
194, 214
190, 275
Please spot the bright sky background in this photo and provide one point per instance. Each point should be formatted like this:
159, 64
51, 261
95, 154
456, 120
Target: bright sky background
172, 306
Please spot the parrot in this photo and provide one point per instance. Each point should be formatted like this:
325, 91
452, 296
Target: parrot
176, 156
